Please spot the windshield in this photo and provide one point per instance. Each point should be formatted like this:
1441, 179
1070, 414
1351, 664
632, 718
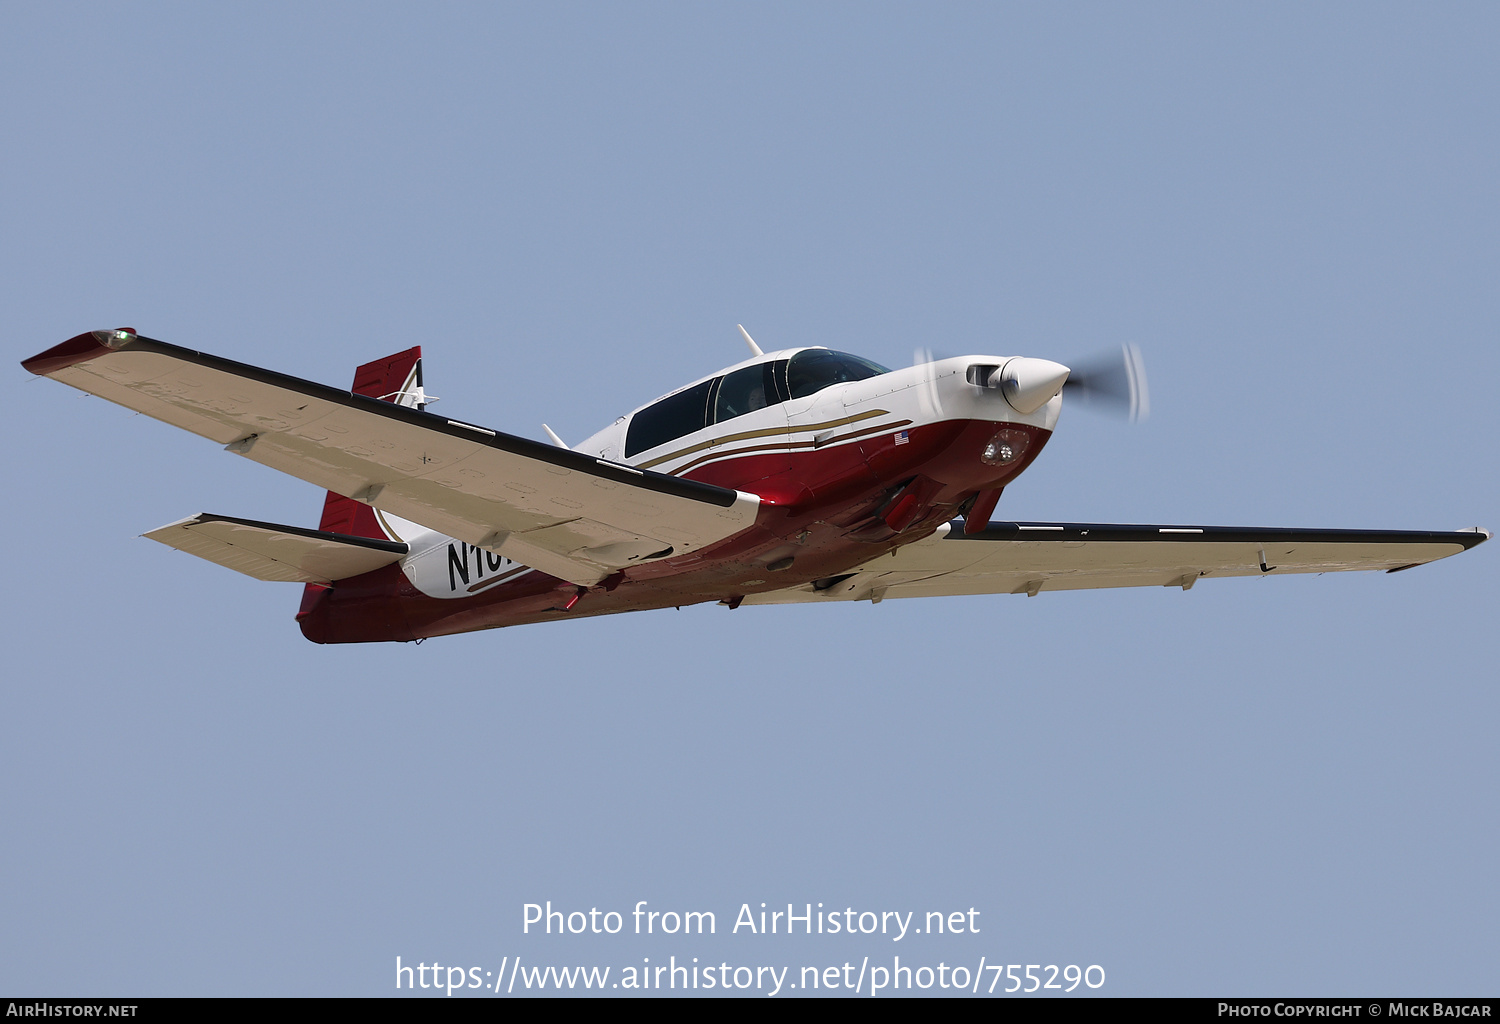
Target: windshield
813, 370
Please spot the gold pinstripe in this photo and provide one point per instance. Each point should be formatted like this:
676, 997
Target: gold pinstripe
747, 435
787, 445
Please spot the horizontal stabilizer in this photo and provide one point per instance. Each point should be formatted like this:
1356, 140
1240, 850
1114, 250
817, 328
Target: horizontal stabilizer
286, 554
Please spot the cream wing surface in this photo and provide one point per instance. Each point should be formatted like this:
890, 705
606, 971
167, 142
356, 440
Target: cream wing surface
568, 514
1031, 558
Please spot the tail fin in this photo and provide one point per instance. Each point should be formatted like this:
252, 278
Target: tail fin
396, 379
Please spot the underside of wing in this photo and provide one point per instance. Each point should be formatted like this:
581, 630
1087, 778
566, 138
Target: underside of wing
268, 551
568, 514
1029, 558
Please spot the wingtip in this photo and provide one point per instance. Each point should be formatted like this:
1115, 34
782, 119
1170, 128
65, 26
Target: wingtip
78, 349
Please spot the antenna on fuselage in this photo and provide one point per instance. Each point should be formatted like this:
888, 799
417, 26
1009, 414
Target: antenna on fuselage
754, 348
555, 439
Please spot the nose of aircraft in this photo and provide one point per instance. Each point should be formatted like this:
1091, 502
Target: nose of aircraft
1027, 383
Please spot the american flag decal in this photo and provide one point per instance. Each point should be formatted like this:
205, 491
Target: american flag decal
902, 437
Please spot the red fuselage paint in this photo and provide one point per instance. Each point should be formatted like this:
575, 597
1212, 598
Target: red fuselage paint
823, 513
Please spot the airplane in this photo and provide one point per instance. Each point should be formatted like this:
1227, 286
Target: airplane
800, 476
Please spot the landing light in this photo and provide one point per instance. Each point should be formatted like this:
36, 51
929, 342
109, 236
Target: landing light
1005, 447
998, 451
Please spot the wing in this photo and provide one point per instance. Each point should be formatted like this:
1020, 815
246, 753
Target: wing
568, 514
1028, 558
268, 551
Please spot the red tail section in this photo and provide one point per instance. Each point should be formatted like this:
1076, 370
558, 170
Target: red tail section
392, 379
396, 379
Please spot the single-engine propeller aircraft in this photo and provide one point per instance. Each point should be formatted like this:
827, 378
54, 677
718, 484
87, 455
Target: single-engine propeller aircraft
804, 475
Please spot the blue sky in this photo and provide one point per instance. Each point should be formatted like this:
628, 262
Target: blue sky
1282, 786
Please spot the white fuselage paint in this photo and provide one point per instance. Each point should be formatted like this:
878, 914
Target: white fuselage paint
440, 566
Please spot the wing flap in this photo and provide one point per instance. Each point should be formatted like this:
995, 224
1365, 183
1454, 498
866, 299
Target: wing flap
268, 551
1030, 558
477, 485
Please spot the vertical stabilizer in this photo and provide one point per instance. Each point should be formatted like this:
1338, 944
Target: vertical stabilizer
396, 379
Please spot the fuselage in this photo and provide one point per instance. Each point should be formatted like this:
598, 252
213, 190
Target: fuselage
850, 461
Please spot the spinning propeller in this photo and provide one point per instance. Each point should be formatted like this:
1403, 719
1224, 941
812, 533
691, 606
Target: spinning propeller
1112, 382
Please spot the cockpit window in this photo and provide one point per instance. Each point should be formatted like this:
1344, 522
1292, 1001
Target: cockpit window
814, 369
747, 390
669, 419
741, 392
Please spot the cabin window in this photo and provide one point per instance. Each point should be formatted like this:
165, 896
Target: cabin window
814, 369
747, 390
671, 418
